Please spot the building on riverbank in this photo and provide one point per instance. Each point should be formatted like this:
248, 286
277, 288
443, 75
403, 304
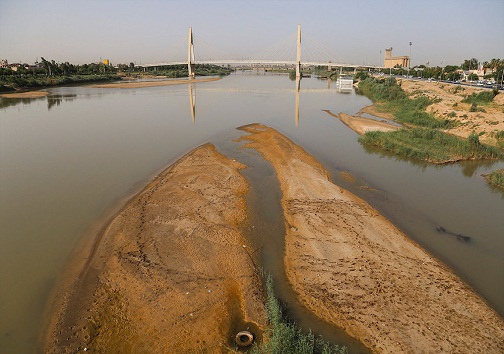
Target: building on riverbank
391, 62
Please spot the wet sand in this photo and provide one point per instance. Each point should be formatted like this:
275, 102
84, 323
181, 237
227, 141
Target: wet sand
354, 269
140, 84
362, 125
171, 273
30, 94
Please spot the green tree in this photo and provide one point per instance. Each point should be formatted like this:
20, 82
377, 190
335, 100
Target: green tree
450, 68
473, 77
470, 64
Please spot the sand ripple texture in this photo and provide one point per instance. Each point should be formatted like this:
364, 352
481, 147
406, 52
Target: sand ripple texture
354, 269
172, 270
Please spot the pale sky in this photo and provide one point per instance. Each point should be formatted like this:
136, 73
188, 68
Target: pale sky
150, 31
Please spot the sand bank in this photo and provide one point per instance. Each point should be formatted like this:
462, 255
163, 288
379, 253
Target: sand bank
372, 110
30, 94
354, 269
172, 271
362, 125
449, 105
140, 84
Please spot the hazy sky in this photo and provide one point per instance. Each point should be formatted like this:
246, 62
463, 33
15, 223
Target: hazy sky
148, 31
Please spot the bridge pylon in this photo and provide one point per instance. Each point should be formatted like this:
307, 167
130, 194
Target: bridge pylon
190, 54
298, 58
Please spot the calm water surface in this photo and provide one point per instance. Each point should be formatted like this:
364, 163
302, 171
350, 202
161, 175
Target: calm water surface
68, 158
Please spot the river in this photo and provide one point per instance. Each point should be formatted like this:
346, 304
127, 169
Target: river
69, 158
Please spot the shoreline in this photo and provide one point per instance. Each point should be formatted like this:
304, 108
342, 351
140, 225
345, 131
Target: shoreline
354, 269
140, 84
362, 125
28, 94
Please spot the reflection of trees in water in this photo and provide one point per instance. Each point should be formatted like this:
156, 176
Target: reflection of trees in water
53, 100
469, 168
9, 102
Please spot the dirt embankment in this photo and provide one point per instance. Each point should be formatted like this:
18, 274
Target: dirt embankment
451, 107
153, 83
354, 269
172, 272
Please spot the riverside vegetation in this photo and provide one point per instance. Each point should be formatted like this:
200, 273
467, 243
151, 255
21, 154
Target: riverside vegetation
50, 73
285, 337
422, 138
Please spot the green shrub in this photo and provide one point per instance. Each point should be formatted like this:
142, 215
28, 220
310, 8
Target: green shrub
483, 97
285, 337
430, 145
496, 178
393, 99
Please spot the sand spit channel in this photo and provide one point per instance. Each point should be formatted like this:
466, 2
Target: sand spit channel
354, 269
173, 272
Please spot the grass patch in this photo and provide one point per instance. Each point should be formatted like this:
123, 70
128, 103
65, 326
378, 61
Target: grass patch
284, 337
495, 178
483, 97
430, 145
391, 98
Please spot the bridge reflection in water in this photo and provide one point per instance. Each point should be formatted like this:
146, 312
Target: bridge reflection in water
192, 100
297, 89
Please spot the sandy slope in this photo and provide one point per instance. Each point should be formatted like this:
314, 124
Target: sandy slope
171, 273
451, 96
353, 268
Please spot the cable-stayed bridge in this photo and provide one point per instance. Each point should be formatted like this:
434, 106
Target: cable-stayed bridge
295, 51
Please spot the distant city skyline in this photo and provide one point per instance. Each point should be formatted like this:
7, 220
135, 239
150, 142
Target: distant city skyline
441, 32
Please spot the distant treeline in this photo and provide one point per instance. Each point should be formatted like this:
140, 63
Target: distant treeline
51, 73
182, 71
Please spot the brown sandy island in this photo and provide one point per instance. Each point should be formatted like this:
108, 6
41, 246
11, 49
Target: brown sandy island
171, 273
140, 84
354, 269
30, 94
362, 125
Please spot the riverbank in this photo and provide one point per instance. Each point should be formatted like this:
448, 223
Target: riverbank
363, 125
172, 271
28, 94
27, 82
448, 104
154, 83
354, 269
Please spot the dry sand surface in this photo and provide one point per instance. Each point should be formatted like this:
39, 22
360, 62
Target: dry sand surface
171, 273
30, 94
354, 269
490, 121
362, 125
140, 84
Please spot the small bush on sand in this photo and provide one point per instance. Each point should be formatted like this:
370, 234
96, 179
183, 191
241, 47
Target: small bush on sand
284, 337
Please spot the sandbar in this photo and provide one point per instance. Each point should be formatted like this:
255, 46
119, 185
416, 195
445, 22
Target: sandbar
30, 94
363, 125
172, 272
354, 269
154, 83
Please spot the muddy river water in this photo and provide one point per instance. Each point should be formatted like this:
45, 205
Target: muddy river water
69, 158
